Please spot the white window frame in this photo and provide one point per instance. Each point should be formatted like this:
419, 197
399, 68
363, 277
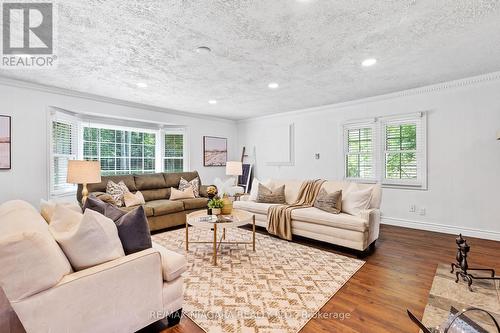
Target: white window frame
379, 126
420, 120
177, 131
121, 128
356, 126
55, 116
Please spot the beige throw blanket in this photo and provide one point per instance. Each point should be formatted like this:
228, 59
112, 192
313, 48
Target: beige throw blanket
279, 218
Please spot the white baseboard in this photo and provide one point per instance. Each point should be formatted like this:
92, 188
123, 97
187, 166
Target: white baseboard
447, 229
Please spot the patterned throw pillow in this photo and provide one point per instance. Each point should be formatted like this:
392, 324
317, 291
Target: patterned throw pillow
275, 196
329, 202
117, 191
195, 184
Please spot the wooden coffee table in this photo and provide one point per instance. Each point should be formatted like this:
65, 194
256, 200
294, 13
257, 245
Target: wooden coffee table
200, 219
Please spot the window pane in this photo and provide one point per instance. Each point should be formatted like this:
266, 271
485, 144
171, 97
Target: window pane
62, 142
149, 151
352, 166
117, 154
401, 137
174, 145
393, 166
174, 165
107, 135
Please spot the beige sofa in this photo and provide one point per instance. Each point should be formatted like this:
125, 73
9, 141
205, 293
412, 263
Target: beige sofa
122, 295
355, 232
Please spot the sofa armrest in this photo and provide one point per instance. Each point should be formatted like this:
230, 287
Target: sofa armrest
245, 197
121, 293
372, 217
173, 264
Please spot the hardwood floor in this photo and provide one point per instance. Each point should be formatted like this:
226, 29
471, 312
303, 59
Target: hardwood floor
396, 277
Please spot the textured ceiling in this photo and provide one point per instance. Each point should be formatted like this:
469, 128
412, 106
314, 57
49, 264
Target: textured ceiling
312, 48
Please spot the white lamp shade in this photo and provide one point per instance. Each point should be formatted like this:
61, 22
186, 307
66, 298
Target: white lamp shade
234, 168
83, 172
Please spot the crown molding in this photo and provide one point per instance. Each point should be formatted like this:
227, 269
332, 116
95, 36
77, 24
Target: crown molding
470, 81
98, 98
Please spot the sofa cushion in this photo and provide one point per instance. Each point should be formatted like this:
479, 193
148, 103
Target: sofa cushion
150, 182
147, 209
104, 208
133, 230
342, 221
47, 208
87, 240
329, 202
195, 203
275, 195
292, 188
157, 194
133, 199
173, 179
252, 206
356, 199
163, 207
101, 187
187, 193
173, 264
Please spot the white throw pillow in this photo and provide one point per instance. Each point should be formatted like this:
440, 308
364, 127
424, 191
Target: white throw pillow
87, 240
355, 200
255, 188
47, 208
176, 194
133, 199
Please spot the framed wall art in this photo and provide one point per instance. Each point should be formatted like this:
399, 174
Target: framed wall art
214, 151
5, 143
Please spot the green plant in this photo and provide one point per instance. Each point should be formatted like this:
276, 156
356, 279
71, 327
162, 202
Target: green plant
215, 203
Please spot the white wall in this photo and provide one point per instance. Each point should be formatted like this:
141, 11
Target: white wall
463, 153
28, 179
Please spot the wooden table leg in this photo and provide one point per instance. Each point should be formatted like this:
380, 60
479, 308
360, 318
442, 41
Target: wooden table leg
253, 231
215, 244
187, 238
224, 233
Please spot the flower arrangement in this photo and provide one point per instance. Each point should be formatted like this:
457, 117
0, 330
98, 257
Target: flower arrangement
216, 202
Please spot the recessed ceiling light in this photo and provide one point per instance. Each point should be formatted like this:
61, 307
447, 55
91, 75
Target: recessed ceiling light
212, 101
273, 85
369, 62
142, 85
203, 49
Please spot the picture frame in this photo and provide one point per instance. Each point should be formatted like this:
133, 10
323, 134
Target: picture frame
5, 142
214, 151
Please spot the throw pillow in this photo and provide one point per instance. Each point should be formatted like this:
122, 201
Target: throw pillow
195, 183
106, 198
133, 227
106, 209
356, 200
133, 230
133, 199
87, 240
255, 188
329, 202
47, 208
117, 191
266, 195
176, 194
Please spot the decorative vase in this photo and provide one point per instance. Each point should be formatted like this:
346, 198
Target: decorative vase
228, 205
216, 211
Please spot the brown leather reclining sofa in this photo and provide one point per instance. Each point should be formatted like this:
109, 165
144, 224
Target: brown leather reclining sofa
160, 211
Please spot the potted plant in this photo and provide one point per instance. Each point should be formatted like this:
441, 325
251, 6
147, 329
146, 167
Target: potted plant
216, 205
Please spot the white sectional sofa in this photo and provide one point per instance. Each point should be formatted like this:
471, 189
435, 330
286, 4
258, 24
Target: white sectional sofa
356, 232
122, 295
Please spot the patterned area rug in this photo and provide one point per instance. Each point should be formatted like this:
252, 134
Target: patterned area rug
278, 288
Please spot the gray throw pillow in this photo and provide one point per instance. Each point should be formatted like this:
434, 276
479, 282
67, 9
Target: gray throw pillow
329, 202
266, 195
133, 228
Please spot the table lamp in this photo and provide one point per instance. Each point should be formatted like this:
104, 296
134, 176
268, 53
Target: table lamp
234, 168
84, 172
